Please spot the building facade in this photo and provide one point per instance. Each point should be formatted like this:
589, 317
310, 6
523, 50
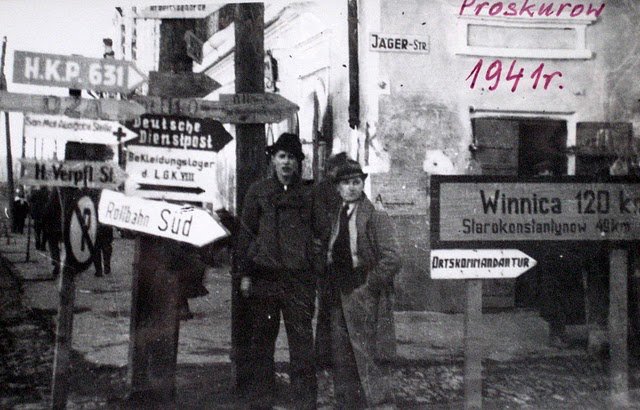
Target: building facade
412, 88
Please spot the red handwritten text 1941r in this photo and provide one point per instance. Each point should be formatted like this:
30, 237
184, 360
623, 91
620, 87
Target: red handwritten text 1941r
493, 75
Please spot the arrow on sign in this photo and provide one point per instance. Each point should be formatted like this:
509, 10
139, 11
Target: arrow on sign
479, 263
115, 110
170, 188
181, 85
231, 109
77, 72
184, 224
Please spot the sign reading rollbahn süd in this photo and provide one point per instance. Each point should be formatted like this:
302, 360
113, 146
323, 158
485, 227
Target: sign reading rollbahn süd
572, 208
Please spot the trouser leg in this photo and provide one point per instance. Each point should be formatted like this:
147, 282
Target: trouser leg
298, 315
54, 251
346, 380
266, 320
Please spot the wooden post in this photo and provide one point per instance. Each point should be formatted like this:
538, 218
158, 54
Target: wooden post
64, 336
7, 129
472, 345
250, 163
155, 325
618, 325
26, 258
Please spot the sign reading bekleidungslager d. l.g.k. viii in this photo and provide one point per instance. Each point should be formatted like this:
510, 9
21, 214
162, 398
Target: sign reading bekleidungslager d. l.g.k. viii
479, 209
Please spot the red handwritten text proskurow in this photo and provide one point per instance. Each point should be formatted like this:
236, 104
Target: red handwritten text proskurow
527, 9
493, 76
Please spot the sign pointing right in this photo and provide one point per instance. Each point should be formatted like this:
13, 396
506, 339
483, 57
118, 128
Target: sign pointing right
479, 263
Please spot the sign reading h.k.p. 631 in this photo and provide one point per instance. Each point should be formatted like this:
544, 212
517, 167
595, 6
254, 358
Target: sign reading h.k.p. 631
75, 72
491, 208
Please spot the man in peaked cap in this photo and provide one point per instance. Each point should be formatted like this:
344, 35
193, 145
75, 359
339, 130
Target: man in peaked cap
274, 244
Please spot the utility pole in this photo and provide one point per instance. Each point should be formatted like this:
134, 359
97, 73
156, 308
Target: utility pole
154, 326
7, 127
250, 164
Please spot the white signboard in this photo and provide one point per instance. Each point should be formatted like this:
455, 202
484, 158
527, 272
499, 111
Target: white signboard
479, 263
77, 72
181, 223
400, 43
62, 128
176, 11
74, 174
172, 173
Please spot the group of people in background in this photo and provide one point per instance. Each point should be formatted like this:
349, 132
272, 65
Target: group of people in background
298, 241
44, 205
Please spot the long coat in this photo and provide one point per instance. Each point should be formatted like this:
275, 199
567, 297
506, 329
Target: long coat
368, 310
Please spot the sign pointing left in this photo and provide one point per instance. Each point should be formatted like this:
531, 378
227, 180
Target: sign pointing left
181, 223
76, 72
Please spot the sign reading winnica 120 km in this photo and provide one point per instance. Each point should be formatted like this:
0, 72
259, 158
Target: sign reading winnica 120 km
485, 208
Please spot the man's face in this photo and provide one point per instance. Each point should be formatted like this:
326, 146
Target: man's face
285, 164
351, 189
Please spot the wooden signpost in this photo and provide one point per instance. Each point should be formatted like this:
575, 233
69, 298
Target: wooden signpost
148, 372
231, 109
492, 211
181, 85
114, 110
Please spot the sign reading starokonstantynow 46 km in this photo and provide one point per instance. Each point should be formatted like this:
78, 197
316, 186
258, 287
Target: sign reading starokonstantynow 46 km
495, 209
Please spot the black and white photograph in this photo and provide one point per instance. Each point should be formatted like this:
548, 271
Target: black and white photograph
319, 204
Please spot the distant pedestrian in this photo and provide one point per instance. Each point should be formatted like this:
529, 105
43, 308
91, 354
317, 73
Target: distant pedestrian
53, 227
363, 259
274, 249
38, 203
103, 250
20, 211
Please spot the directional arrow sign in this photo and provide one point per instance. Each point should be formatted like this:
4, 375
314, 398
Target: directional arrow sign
76, 72
179, 132
103, 109
232, 108
63, 128
170, 188
172, 173
75, 174
185, 224
479, 263
179, 85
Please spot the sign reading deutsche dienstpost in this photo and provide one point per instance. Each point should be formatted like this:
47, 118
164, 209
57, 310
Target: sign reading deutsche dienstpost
496, 209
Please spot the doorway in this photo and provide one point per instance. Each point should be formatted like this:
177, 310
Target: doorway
514, 146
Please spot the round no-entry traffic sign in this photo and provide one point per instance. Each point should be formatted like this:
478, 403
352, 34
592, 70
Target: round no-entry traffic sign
81, 228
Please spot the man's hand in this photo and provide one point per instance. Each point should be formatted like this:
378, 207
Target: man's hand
245, 286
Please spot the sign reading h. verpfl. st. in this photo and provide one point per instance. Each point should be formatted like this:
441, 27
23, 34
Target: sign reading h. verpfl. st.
477, 209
